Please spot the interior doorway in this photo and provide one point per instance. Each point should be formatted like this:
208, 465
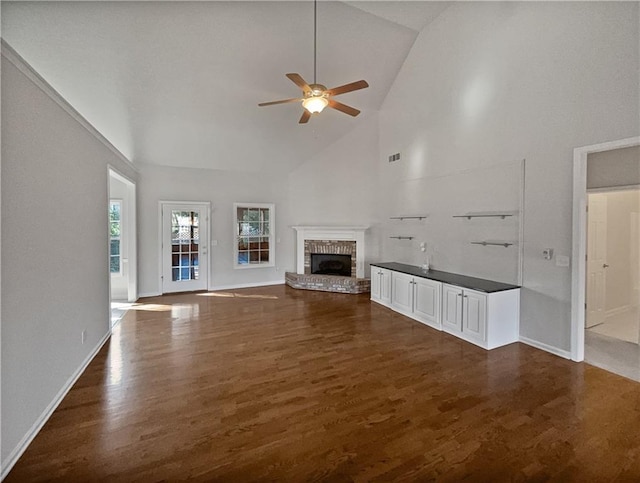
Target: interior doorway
598, 168
613, 264
122, 244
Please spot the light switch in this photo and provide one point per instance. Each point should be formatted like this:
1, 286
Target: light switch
214, 243
562, 261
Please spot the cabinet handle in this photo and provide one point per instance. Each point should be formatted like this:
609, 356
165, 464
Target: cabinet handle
466, 296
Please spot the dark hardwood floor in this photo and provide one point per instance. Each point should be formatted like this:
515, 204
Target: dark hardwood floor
277, 384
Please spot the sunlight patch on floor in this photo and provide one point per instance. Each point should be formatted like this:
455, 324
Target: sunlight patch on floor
237, 295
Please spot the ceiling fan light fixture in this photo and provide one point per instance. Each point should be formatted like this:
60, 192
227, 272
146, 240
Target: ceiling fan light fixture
315, 104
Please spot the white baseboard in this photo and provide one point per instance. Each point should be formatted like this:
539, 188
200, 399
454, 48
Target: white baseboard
149, 294
546, 347
247, 285
617, 311
24, 443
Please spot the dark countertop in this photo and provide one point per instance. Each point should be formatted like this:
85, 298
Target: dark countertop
479, 284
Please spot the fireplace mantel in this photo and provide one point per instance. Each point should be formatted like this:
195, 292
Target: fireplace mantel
320, 232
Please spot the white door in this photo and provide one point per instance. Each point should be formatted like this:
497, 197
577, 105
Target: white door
426, 304
451, 309
474, 315
402, 292
185, 231
596, 259
376, 283
385, 286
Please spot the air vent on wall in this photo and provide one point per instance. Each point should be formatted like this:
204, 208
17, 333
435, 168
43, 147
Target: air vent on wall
394, 157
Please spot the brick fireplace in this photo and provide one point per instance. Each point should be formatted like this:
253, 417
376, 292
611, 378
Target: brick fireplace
329, 246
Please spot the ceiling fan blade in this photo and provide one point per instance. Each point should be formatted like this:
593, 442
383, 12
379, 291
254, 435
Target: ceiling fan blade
300, 82
305, 117
343, 108
284, 101
354, 86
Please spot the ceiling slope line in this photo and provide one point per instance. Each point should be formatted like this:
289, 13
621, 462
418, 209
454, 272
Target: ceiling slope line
23, 66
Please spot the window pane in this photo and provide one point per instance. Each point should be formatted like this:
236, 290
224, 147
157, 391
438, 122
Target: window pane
115, 247
114, 211
114, 264
253, 240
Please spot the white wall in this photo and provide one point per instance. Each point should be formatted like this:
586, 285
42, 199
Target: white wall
54, 252
222, 189
489, 84
617, 167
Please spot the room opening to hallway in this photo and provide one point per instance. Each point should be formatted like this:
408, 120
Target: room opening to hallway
613, 280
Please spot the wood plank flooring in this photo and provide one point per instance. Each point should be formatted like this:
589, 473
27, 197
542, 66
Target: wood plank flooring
278, 384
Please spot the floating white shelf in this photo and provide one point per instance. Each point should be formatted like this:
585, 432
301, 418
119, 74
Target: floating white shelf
411, 217
493, 243
502, 215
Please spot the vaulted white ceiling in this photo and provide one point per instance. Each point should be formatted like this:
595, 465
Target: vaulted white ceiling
178, 83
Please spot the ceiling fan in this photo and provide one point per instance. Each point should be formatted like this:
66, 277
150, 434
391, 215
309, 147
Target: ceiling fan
315, 97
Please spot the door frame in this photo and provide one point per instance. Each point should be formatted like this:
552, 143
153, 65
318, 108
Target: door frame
579, 242
207, 206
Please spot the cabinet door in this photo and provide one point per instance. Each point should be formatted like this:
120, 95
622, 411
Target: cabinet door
402, 292
475, 315
426, 302
376, 276
385, 285
451, 308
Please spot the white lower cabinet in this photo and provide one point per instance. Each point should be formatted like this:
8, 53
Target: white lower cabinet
381, 285
486, 319
416, 297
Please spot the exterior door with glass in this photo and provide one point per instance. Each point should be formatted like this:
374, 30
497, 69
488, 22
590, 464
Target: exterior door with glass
185, 232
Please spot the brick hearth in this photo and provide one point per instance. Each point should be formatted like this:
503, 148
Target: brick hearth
328, 283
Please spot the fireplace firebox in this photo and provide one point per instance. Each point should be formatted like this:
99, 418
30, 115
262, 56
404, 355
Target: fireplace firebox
331, 264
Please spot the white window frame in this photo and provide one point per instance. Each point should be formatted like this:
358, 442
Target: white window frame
117, 201
272, 248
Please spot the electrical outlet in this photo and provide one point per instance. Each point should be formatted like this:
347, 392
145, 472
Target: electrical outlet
547, 253
84, 335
